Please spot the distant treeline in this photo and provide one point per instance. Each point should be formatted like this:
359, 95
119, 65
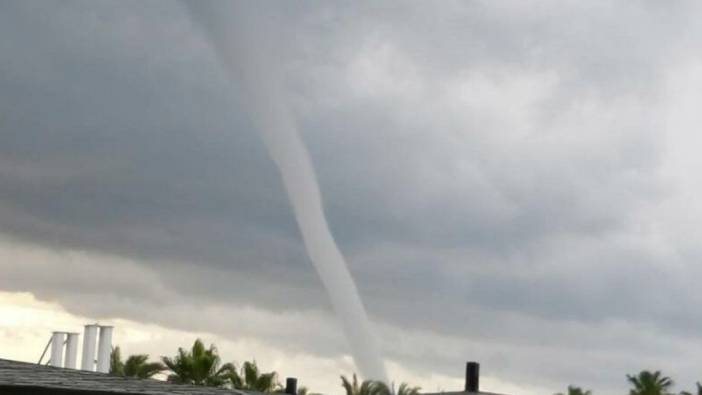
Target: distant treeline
643, 383
203, 366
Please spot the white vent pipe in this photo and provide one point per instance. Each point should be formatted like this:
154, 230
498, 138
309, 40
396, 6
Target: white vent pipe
89, 337
104, 349
71, 351
57, 340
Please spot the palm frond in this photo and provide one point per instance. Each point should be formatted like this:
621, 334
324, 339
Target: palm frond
116, 364
348, 387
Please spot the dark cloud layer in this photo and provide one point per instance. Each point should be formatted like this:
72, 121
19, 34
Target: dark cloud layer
491, 170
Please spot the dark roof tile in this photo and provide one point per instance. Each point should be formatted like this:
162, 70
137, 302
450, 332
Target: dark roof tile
23, 374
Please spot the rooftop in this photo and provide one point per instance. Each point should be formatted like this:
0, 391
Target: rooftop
22, 378
28, 378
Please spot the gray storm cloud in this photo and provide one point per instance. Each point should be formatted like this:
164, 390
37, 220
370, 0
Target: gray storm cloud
238, 34
522, 176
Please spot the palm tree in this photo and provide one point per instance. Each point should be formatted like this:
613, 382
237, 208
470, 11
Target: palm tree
116, 364
367, 387
573, 390
198, 366
650, 383
135, 366
405, 389
250, 378
699, 390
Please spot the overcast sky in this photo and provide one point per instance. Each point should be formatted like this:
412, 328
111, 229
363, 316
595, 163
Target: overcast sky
513, 182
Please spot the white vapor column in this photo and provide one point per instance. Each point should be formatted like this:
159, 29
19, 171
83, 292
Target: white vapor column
240, 34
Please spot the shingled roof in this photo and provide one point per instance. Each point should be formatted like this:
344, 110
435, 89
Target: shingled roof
28, 378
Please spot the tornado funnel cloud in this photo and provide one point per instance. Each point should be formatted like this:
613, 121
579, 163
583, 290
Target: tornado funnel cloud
240, 33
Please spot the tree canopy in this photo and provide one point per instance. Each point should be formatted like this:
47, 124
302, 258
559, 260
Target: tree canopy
199, 366
137, 365
649, 383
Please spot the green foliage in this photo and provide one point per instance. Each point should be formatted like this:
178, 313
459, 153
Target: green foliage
367, 387
135, 366
250, 378
649, 383
199, 366
374, 387
406, 389
573, 390
116, 364
699, 390
138, 366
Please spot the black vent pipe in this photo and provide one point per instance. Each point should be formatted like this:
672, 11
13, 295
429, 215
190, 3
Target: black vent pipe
472, 377
291, 386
